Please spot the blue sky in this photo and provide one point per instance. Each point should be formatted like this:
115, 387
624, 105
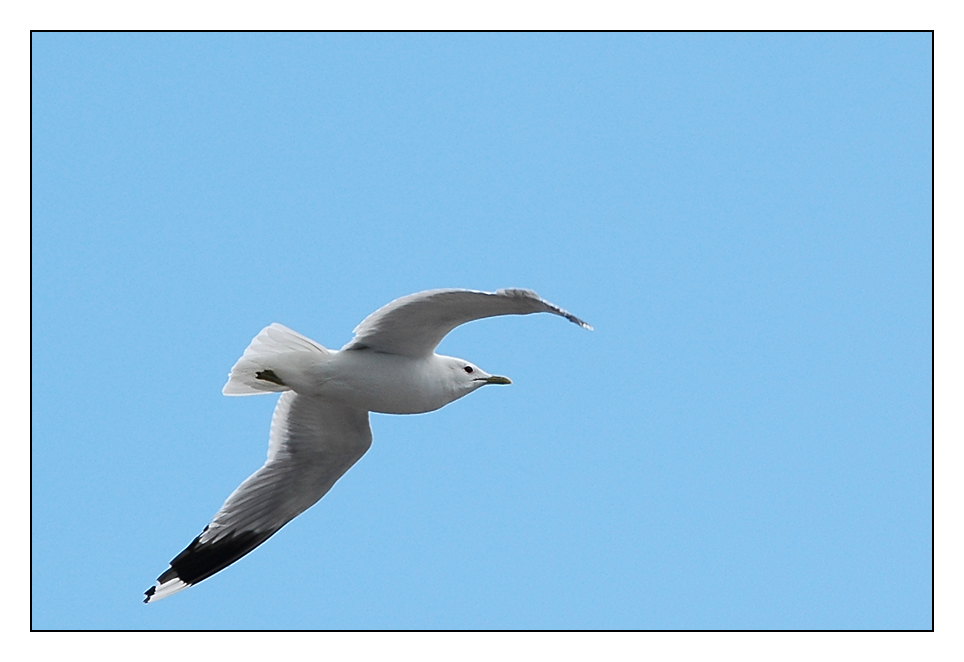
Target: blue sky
743, 442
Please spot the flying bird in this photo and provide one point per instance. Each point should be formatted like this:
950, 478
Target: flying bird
320, 426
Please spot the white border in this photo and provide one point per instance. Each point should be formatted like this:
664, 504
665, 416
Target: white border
518, 14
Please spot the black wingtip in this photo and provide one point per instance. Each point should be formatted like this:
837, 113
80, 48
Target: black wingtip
149, 593
202, 559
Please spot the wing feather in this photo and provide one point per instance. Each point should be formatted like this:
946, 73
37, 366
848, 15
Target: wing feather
414, 325
313, 443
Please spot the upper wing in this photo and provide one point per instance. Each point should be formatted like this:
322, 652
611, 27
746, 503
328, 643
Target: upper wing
313, 443
414, 325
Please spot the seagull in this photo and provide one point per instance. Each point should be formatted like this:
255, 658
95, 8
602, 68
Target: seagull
320, 425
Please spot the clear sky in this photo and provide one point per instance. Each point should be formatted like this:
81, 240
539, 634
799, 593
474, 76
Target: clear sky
744, 441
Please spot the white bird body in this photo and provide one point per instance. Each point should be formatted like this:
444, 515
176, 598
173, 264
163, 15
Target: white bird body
419, 385
320, 426
374, 381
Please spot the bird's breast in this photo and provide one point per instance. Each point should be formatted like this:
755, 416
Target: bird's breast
384, 383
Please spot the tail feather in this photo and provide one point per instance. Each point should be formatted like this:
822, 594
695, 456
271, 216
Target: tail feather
262, 366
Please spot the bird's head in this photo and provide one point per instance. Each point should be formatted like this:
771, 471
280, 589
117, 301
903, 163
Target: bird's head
465, 377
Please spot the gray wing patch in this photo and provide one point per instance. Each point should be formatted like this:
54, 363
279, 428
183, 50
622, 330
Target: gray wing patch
414, 325
313, 444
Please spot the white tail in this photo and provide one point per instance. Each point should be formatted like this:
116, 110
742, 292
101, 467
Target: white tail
273, 353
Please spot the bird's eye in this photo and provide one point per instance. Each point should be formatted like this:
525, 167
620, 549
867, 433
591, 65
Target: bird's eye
468, 369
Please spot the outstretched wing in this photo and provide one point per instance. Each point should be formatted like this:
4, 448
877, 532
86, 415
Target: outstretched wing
313, 443
414, 325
